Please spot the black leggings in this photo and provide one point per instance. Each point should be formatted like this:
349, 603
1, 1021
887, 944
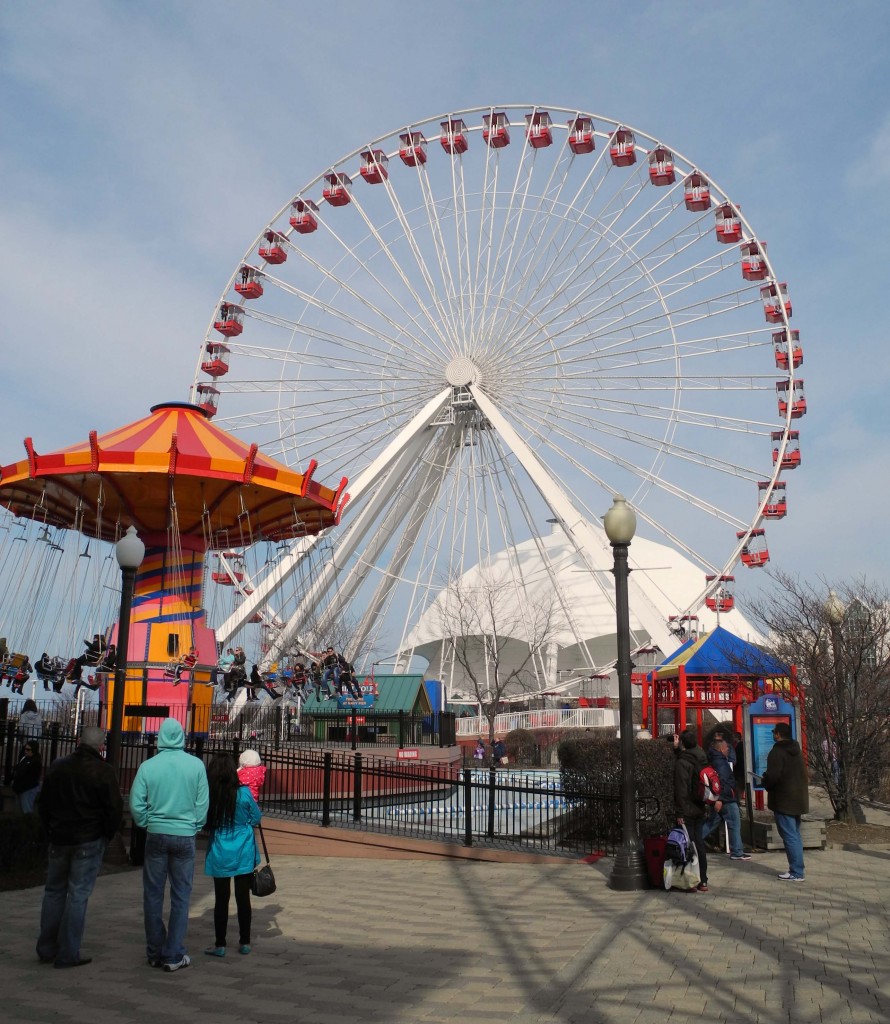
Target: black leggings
221, 890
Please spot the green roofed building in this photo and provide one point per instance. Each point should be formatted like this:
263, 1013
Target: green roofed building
391, 703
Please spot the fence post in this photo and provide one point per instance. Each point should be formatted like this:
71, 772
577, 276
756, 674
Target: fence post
357, 787
326, 790
353, 729
401, 729
468, 807
199, 747
279, 725
10, 752
53, 742
492, 784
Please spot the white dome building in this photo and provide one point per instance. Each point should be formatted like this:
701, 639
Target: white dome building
553, 621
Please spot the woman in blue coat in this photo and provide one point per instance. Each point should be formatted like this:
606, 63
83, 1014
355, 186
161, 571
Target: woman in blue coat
232, 852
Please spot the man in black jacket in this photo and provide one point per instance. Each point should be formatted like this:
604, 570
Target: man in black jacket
81, 807
688, 809
788, 796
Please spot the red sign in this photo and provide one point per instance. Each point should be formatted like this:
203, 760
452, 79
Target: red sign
408, 754
359, 719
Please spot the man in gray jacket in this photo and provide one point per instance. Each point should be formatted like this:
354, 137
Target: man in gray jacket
788, 796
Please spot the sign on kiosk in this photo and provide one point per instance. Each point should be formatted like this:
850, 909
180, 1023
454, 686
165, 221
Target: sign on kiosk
761, 718
408, 754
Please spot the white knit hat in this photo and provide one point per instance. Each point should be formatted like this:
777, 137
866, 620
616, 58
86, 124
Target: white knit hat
248, 759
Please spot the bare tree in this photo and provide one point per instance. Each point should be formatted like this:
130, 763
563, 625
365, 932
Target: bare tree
499, 643
839, 639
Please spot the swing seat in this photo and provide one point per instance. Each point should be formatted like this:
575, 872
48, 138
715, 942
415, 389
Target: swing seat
170, 672
13, 669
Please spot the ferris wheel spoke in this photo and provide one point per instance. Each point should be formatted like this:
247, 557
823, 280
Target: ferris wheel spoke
420, 340
437, 341
577, 219
316, 345
656, 445
642, 474
518, 235
627, 273
442, 297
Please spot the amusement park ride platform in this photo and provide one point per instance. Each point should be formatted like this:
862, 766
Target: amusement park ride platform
188, 487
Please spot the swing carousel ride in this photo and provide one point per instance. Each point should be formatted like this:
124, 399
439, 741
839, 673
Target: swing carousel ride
189, 488
491, 321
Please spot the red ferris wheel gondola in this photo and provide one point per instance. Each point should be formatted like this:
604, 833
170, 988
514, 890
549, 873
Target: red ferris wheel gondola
754, 553
581, 137
538, 131
721, 593
302, 218
495, 130
412, 148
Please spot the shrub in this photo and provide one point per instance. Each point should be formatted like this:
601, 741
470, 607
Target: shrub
593, 762
521, 746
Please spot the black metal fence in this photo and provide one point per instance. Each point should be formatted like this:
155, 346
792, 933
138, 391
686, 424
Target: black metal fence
277, 724
491, 807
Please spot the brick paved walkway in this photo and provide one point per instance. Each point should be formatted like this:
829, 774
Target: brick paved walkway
409, 941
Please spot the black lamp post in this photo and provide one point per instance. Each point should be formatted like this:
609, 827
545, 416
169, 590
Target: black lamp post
629, 869
129, 552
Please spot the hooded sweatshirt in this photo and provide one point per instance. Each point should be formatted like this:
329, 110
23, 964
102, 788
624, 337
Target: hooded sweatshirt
170, 794
785, 779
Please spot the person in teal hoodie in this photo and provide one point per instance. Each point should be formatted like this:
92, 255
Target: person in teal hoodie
232, 853
169, 799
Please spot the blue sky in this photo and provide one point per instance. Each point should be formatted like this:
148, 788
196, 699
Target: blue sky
143, 146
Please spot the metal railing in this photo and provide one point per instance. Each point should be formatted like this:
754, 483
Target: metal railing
552, 718
444, 802
280, 724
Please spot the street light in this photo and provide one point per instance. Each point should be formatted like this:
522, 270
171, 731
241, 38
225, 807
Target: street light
129, 552
629, 869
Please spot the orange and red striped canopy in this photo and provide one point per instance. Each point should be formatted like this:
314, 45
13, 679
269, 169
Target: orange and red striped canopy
172, 469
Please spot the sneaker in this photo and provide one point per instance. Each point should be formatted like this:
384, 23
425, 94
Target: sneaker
178, 966
155, 961
244, 950
740, 856
786, 876
215, 951
703, 887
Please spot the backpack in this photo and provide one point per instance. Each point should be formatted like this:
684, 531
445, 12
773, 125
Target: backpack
706, 786
681, 870
676, 849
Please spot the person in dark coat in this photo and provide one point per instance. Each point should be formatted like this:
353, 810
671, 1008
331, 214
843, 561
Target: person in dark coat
81, 807
26, 777
788, 796
688, 810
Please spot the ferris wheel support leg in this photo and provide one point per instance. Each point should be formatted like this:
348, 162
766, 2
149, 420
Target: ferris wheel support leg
590, 543
413, 505
288, 566
399, 455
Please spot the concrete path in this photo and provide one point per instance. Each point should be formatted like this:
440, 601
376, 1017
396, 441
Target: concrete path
411, 941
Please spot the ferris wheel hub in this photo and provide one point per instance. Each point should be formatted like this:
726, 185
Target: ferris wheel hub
461, 372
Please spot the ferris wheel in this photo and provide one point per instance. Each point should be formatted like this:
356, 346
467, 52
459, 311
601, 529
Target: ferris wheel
495, 319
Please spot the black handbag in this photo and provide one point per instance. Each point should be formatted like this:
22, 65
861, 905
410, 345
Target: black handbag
263, 881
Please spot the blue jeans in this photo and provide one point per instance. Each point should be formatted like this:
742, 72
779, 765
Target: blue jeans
27, 800
173, 858
789, 829
729, 812
70, 877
